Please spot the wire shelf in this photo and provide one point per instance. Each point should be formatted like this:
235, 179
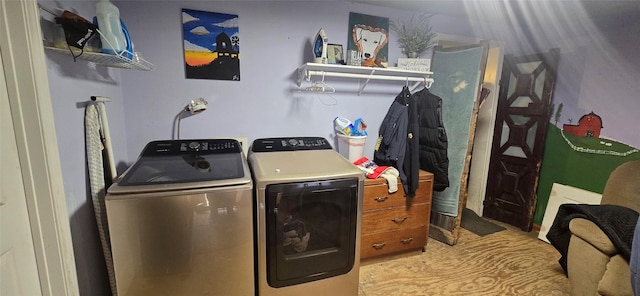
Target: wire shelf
117, 61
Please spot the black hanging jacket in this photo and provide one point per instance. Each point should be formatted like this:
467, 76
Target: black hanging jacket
396, 145
411, 165
432, 138
392, 137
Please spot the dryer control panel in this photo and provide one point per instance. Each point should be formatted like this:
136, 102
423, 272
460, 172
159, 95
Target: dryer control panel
290, 144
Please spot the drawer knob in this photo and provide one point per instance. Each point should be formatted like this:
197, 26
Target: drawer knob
381, 198
406, 241
399, 220
378, 246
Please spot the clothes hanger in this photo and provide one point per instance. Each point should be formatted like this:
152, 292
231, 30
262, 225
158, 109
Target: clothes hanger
406, 92
428, 83
321, 87
326, 88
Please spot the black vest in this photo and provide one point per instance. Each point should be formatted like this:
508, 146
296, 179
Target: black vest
432, 152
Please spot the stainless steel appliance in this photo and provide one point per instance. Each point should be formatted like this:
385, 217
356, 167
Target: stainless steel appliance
181, 221
308, 215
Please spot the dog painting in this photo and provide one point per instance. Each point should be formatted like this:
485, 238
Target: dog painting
369, 37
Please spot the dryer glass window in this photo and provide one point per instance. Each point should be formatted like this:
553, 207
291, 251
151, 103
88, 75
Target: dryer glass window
311, 230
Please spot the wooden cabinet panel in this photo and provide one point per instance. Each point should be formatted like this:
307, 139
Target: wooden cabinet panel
392, 222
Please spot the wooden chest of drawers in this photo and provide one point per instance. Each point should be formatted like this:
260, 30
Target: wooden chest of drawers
392, 222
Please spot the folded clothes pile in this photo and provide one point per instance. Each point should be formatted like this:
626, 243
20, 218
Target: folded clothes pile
372, 171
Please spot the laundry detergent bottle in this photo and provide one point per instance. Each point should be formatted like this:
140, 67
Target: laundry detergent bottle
112, 37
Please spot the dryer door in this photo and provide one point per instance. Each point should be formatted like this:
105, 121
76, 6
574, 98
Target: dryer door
311, 230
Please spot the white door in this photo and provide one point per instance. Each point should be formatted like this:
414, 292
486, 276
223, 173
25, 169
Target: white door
18, 270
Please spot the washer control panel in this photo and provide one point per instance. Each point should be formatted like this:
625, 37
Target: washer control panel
205, 146
290, 144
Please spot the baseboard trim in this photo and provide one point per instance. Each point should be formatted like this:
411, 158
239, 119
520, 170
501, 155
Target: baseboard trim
536, 228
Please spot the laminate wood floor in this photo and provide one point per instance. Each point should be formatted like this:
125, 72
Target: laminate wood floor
509, 262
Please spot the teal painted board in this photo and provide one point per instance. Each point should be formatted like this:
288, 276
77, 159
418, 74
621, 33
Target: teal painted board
456, 77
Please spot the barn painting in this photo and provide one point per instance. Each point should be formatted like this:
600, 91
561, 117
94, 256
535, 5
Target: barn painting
589, 125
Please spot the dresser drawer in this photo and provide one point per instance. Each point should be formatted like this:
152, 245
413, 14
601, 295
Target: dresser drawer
394, 241
378, 197
395, 218
376, 193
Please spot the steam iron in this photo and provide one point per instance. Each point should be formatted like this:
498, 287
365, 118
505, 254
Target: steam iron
320, 48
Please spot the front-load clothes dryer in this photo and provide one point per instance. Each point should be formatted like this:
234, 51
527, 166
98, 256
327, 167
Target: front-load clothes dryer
308, 215
181, 221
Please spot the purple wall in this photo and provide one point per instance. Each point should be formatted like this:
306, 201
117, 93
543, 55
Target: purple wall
266, 102
599, 67
609, 84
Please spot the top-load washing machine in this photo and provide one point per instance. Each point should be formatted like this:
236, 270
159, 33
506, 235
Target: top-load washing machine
181, 221
308, 215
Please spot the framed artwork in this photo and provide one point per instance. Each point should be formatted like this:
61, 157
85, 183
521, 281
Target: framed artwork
369, 36
211, 45
334, 53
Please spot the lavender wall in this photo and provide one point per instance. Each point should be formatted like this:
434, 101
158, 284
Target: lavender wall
598, 71
609, 83
598, 74
72, 85
275, 41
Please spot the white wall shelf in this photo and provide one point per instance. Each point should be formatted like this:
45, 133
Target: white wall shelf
110, 60
307, 71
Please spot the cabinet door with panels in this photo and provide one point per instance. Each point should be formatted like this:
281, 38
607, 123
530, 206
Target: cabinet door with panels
392, 222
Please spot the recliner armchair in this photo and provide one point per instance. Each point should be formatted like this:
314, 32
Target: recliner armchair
594, 265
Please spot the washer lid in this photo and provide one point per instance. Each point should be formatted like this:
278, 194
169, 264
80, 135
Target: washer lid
301, 166
183, 164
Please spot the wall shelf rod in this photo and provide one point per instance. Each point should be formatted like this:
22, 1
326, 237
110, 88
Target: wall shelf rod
307, 71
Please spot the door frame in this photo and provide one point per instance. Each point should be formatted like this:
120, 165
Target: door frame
32, 114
